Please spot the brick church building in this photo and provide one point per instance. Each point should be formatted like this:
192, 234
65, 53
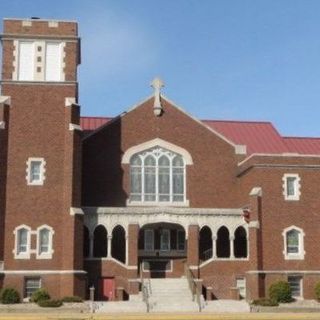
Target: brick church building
153, 192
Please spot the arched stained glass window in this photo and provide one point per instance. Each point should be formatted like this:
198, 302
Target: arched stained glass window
157, 175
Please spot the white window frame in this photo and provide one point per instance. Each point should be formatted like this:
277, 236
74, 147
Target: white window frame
145, 240
17, 254
300, 283
301, 252
39, 182
46, 255
297, 187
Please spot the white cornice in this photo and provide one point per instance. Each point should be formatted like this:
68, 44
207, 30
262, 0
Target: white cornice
278, 155
169, 210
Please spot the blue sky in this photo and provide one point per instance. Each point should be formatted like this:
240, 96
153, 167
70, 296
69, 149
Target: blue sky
219, 59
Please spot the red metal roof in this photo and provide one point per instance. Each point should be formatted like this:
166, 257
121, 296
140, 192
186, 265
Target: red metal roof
259, 137
92, 123
303, 145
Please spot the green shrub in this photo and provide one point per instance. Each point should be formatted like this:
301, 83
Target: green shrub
280, 292
9, 296
39, 295
265, 302
72, 299
50, 303
317, 291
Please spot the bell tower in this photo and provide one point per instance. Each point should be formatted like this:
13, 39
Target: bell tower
41, 219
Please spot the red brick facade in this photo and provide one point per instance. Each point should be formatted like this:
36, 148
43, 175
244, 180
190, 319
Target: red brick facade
88, 184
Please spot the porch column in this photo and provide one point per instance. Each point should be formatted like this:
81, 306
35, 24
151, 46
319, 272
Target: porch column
193, 246
109, 247
214, 247
133, 235
231, 247
132, 258
91, 239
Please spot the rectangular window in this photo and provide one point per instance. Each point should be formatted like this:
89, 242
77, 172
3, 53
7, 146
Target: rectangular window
181, 240
165, 240
26, 61
53, 62
291, 186
295, 283
148, 240
31, 285
22, 241
44, 241
35, 171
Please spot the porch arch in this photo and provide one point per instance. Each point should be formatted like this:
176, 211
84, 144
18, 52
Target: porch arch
205, 243
118, 243
223, 242
240, 243
100, 247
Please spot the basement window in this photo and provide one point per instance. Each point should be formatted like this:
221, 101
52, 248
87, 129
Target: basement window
31, 285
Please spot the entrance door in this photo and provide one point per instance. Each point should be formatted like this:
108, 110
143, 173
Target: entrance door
108, 288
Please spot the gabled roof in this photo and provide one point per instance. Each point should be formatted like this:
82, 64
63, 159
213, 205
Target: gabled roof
259, 137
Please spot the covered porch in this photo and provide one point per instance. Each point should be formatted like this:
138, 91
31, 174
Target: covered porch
157, 242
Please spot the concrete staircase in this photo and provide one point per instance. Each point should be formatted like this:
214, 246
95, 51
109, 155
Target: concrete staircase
171, 295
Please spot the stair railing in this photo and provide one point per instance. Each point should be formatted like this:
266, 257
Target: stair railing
195, 290
145, 289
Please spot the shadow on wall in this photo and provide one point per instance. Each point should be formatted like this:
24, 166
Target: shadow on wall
102, 173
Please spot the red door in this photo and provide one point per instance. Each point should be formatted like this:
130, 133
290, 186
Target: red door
108, 288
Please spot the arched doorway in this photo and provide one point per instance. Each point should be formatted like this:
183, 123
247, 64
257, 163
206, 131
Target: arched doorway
119, 244
205, 243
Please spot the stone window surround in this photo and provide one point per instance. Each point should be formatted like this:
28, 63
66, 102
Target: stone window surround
296, 196
294, 256
170, 147
23, 255
47, 255
42, 171
27, 255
